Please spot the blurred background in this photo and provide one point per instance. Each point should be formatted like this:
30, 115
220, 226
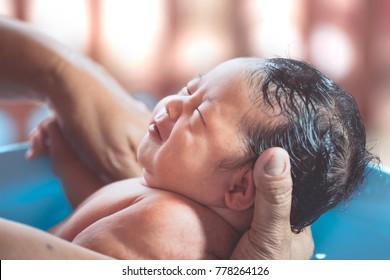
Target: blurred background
155, 46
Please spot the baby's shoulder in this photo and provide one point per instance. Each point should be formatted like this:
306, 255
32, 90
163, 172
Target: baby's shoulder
184, 229
173, 226
173, 212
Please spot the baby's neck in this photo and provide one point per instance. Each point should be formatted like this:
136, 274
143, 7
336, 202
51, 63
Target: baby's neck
239, 220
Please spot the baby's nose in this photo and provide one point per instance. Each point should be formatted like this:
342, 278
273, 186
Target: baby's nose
174, 108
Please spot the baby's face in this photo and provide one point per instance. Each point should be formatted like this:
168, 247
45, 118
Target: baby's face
192, 132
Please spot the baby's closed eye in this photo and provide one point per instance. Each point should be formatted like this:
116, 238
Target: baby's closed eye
197, 109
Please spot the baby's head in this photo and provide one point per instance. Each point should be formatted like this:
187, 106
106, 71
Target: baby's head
301, 110
204, 141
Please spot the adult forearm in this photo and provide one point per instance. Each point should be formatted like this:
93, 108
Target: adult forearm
34, 65
18, 241
26, 61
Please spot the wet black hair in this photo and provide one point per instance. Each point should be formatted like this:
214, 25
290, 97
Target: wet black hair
298, 108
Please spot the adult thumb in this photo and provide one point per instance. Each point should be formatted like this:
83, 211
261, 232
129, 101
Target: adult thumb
271, 226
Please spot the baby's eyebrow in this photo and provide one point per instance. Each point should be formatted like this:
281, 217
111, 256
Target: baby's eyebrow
196, 80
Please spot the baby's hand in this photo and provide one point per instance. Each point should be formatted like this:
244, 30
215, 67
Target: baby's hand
47, 138
77, 179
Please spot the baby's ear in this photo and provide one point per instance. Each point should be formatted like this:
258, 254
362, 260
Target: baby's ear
241, 193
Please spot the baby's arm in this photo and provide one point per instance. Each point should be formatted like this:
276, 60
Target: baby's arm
77, 179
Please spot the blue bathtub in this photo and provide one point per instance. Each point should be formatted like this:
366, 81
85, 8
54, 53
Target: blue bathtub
361, 229
30, 193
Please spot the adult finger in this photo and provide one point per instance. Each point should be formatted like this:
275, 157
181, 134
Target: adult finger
269, 236
271, 229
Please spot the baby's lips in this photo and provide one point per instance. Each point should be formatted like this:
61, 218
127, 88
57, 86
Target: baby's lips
154, 131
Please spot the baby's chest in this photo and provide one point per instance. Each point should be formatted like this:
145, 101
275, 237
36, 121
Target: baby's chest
99, 211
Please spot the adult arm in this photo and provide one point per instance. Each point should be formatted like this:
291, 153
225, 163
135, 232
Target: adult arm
18, 241
270, 235
99, 118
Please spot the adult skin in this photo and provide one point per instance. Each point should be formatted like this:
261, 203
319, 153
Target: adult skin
83, 96
81, 93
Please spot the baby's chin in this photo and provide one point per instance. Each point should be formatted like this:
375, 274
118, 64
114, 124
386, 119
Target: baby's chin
150, 181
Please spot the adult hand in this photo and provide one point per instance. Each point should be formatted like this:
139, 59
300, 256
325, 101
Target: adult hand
102, 122
106, 133
270, 235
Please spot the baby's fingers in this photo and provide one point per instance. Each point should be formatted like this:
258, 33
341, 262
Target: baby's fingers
39, 142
